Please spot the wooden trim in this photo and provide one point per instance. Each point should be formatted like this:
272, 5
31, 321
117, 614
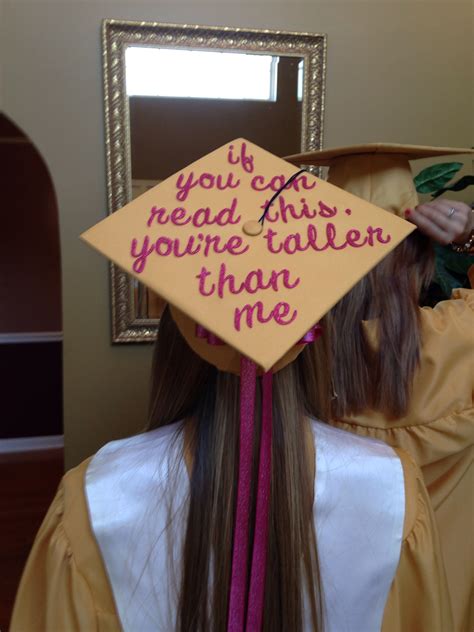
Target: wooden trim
31, 444
27, 337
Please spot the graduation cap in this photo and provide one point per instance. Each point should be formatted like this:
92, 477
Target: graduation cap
200, 241
377, 172
250, 253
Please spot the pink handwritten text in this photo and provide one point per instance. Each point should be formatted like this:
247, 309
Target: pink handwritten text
321, 241
193, 245
180, 216
204, 181
254, 281
258, 183
246, 160
280, 314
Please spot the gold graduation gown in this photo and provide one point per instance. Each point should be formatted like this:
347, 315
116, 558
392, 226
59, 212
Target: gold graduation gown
438, 432
67, 585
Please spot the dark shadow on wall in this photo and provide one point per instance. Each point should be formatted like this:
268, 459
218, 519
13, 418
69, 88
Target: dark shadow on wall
30, 289
31, 429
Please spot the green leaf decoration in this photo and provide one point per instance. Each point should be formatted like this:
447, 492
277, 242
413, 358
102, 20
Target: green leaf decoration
461, 184
455, 262
435, 177
451, 270
447, 281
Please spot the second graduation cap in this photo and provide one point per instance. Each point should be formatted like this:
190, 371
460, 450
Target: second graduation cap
377, 172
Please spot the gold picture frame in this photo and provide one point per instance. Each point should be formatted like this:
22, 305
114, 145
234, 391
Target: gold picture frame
127, 326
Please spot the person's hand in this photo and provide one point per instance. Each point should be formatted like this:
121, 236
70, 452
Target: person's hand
445, 221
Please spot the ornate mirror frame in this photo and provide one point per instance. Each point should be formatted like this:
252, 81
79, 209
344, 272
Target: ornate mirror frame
116, 37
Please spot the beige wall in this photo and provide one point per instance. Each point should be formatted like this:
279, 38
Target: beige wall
399, 71
2, 34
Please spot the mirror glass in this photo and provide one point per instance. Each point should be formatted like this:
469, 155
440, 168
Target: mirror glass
182, 104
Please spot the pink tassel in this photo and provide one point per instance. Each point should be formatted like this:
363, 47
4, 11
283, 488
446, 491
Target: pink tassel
238, 586
260, 541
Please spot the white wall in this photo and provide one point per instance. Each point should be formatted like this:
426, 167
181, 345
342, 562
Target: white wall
397, 71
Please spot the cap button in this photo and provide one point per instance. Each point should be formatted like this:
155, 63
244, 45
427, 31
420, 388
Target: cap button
252, 227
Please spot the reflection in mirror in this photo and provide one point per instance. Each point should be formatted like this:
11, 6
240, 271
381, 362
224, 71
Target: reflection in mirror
174, 93
185, 103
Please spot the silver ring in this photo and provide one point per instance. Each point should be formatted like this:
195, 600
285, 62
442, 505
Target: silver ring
451, 212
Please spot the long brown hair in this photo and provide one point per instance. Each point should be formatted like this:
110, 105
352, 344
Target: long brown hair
186, 387
377, 373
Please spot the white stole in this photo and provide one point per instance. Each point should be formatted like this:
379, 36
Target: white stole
134, 485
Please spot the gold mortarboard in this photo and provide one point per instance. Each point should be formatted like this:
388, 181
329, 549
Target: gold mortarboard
248, 252
377, 172
191, 240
